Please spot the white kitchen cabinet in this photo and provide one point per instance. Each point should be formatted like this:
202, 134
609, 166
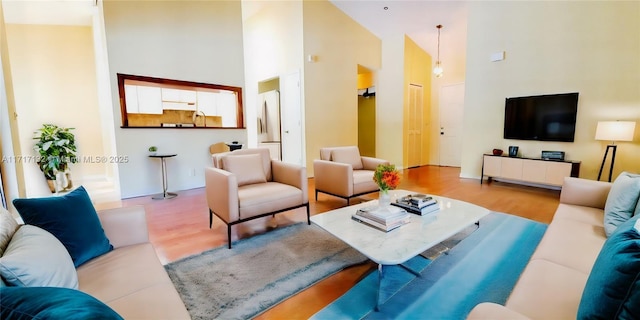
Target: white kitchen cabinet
177, 99
149, 100
207, 103
131, 98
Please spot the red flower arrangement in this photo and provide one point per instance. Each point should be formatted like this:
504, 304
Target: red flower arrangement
386, 177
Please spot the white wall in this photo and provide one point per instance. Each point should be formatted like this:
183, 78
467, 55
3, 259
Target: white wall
184, 40
553, 47
272, 47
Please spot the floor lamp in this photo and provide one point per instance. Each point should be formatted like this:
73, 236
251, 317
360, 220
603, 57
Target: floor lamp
613, 131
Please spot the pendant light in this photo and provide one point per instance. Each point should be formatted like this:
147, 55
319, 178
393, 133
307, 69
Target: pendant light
437, 70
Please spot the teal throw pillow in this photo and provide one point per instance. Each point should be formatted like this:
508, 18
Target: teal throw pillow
26, 303
621, 201
613, 287
72, 219
30, 249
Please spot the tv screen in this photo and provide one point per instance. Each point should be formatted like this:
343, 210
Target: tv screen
547, 117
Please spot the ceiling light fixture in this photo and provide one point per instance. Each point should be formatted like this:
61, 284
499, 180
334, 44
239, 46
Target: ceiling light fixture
437, 70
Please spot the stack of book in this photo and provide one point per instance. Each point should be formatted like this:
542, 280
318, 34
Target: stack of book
383, 218
418, 203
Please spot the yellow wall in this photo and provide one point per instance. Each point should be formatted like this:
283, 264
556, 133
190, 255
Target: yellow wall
331, 101
184, 40
553, 47
269, 85
417, 70
12, 171
367, 126
365, 80
54, 81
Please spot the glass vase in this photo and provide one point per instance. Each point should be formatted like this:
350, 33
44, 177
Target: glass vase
384, 199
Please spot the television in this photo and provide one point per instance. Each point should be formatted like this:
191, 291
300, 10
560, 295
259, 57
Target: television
549, 117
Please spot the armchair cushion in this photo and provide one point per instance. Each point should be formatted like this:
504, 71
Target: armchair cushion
348, 155
621, 202
247, 168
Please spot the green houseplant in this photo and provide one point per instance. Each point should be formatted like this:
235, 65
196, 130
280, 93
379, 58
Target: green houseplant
56, 149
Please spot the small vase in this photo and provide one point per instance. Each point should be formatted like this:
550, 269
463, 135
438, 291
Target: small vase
384, 199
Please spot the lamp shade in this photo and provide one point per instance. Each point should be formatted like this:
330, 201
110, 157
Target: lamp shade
615, 130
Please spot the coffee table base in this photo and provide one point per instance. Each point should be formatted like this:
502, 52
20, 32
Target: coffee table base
380, 266
166, 195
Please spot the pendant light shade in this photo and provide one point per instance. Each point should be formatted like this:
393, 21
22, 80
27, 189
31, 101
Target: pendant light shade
437, 70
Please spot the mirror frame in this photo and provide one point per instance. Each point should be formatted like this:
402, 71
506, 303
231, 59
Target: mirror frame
170, 82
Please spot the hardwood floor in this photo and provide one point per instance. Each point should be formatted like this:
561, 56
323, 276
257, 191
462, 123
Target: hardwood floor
179, 227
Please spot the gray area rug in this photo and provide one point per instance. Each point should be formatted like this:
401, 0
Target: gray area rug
258, 272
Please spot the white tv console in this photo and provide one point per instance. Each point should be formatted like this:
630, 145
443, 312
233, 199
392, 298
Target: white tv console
530, 171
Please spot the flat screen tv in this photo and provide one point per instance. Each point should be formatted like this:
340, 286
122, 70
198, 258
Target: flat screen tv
549, 117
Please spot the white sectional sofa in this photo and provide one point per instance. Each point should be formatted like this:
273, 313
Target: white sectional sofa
552, 284
129, 279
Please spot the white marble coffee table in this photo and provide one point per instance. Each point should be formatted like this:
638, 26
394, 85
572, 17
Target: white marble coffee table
399, 245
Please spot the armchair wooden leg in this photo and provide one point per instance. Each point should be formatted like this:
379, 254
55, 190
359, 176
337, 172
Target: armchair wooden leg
308, 215
229, 234
316, 195
210, 218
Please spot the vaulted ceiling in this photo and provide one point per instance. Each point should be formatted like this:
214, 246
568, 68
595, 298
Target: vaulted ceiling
415, 18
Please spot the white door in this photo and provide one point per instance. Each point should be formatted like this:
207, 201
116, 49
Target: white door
414, 144
291, 113
451, 107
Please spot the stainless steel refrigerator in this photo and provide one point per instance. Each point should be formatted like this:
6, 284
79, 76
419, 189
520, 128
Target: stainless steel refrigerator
269, 122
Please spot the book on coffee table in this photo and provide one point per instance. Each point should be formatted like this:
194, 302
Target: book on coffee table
385, 218
380, 226
384, 215
419, 200
416, 210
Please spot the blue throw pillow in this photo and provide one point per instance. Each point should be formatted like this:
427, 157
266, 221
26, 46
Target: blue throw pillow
19, 303
70, 218
621, 201
613, 287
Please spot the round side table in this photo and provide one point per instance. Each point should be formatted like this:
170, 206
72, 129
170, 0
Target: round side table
164, 194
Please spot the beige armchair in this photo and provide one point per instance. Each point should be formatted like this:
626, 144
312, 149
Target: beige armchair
342, 172
247, 184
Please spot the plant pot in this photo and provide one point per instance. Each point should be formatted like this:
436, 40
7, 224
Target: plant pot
52, 185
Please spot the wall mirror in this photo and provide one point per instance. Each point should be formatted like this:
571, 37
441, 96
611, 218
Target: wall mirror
147, 102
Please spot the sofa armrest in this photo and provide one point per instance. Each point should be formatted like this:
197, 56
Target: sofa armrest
583, 192
125, 226
493, 311
291, 174
333, 177
369, 163
221, 189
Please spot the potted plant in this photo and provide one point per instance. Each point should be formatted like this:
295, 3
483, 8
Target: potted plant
56, 149
153, 150
387, 178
